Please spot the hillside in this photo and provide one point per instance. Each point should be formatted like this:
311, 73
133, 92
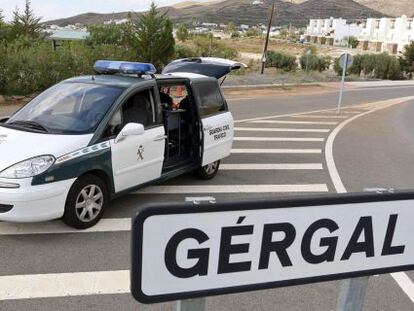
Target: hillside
244, 12
396, 8
186, 4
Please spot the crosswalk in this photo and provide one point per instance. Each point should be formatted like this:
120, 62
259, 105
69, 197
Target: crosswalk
266, 161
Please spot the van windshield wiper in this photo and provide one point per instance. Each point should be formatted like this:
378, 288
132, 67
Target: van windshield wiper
31, 125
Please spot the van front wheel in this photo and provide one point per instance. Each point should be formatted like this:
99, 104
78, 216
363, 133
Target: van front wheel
208, 171
86, 202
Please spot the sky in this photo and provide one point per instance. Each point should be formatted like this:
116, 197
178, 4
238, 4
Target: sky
53, 9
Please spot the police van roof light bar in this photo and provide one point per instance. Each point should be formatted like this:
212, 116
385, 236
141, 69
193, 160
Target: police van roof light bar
121, 67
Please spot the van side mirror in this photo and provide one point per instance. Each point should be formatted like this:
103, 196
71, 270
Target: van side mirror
131, 129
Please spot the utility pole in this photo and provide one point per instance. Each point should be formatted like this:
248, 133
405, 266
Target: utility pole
271, 12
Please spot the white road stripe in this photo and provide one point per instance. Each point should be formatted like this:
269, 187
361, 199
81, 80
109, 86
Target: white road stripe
54, 227
302, 139
405, 283
401, 278
277, 151
64, 284
320, 116
266, 129
233, 189
281, 166
294, 122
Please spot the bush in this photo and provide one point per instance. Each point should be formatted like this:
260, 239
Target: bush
281, 61
208, 46
26, 69
315, 63
378, 66
253, 32
182, 51
353, 42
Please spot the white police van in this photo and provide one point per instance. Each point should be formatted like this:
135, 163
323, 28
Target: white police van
89, 139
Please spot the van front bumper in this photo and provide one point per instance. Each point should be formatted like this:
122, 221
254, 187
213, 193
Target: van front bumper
29, 203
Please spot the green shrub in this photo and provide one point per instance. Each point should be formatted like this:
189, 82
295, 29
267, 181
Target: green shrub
182, 51
30, 69
283, 61
315, 63
208, 46
378, 66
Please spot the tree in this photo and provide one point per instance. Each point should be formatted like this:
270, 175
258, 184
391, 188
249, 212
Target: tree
154, 37
26, 24
230, 28
353, 42
110, 34
182, 33
1, 17
407, 60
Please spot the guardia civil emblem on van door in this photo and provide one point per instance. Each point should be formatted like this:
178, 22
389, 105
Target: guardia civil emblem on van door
140, 153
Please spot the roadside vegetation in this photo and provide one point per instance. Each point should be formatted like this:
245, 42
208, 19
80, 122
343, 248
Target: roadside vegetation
29, 64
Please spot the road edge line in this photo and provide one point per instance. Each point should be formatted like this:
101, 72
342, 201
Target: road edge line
401, 278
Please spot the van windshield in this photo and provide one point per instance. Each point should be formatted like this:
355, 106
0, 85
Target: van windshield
66, 108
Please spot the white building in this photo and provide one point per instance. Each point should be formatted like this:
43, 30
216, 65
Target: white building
388, 34
380, 35
336, 28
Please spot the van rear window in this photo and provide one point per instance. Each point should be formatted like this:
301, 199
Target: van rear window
210, 99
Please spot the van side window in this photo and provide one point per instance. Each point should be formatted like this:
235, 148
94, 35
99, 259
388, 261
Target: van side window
139, 108
114, 126
211, 100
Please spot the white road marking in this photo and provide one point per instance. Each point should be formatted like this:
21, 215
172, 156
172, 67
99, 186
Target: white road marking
405, 283
284, 166
281, 116
302, 139
233, 189
265, 129
320, 116
294, 122
64, 284
55, 227
401, 278
277, 151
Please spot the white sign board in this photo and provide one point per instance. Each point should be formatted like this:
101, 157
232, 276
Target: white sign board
185, 251
346, 60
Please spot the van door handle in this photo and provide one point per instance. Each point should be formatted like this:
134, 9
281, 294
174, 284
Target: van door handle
208, 127
161, 137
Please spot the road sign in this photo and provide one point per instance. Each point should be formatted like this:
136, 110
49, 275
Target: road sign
182, 252
346, 60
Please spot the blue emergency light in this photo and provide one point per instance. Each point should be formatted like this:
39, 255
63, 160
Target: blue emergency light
114, 67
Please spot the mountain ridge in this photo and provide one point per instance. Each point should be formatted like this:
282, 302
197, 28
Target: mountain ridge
244, 12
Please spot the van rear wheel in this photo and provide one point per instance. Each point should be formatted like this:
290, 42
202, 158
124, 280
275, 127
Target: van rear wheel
208, 171
86, 202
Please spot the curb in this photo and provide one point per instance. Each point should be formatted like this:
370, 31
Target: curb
268, 86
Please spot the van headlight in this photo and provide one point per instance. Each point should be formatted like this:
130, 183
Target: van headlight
29, 168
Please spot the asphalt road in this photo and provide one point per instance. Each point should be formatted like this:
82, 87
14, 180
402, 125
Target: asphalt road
374, 150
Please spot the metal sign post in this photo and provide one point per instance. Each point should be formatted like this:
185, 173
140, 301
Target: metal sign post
352, 294
197, 304
345, 61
